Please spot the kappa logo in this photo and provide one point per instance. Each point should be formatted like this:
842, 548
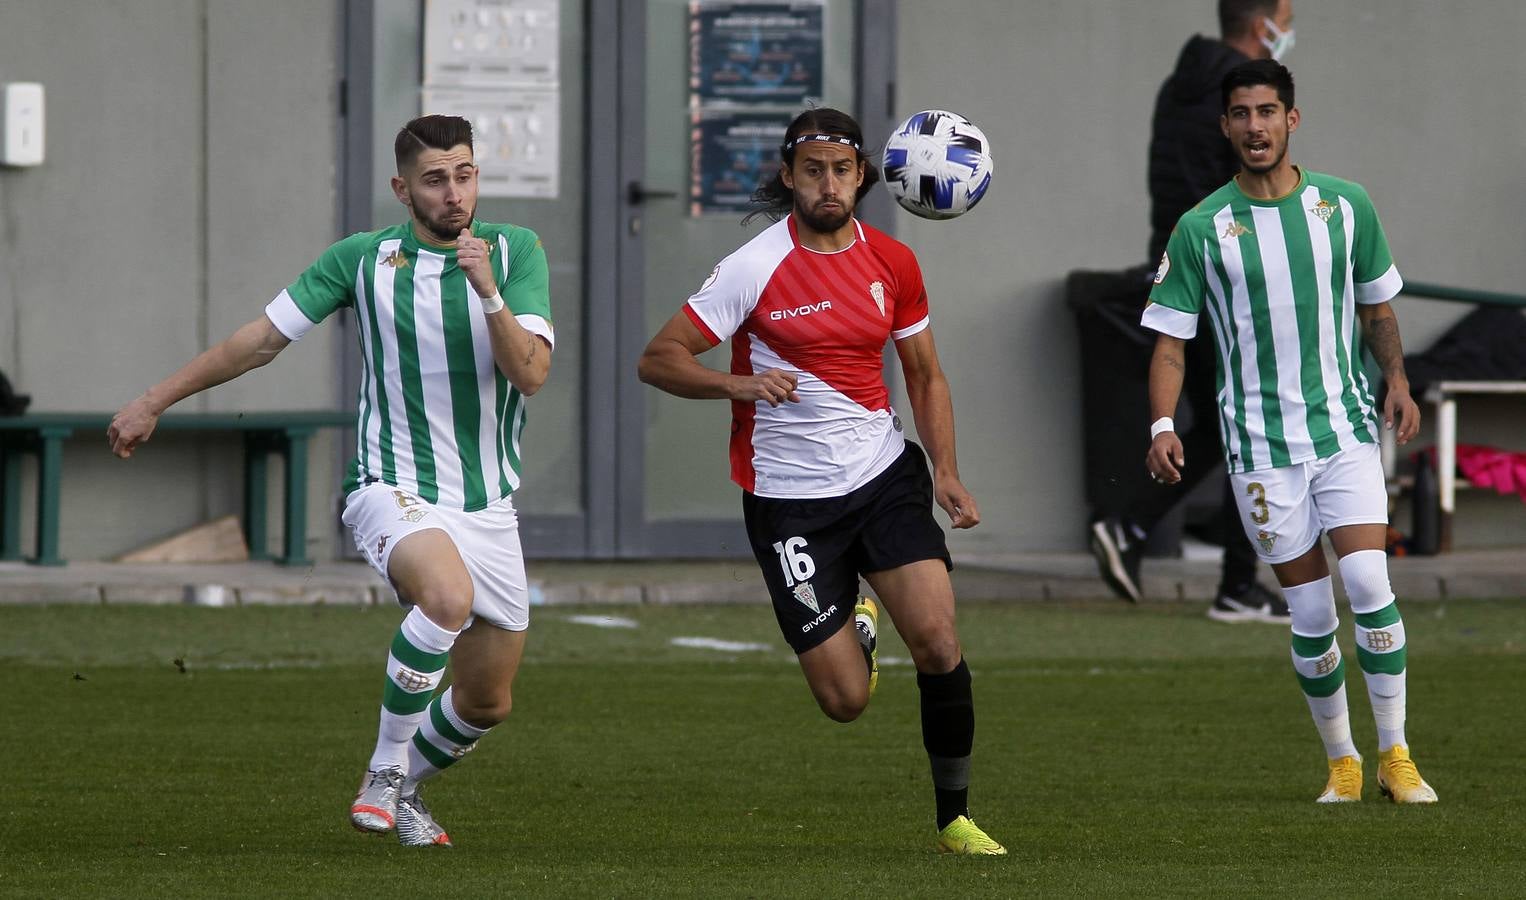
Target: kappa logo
877, 291
411, 681
1324, 209
396, 260
1267, 540
806, 594
381, 545
782, 314
1235, 229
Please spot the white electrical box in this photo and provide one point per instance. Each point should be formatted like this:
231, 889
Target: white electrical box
22, 122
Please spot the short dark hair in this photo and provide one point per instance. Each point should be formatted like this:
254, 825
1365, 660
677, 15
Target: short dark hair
1254, 73
775, 199
1238, 16
429, 133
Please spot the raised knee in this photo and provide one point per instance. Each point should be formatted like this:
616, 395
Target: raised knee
447, 605
844, 706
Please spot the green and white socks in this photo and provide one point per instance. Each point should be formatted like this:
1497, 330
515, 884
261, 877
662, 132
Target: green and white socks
415, 666
1380, 651
1380, 644
442, 739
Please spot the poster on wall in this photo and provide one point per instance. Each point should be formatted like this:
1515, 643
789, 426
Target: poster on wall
491, 43
495, 63
515, 136
752, 65
755, 52
733, 151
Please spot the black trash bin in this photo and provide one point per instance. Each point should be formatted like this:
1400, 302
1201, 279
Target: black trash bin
1115, 405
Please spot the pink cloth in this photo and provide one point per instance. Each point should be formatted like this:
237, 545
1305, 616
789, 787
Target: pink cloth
1490, 467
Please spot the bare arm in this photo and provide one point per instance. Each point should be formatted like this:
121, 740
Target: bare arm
933, 408
251, 346
523, 358
1380, 329
670, 363
1168, 368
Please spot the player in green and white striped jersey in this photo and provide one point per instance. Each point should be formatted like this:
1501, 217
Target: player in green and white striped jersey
1287, 264
445, 374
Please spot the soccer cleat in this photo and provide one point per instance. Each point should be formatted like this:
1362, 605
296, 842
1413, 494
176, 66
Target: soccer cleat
965, 838
416, 827
1118, 554
375, 806
1256, 604
1345, 784
1399, 780
866, 621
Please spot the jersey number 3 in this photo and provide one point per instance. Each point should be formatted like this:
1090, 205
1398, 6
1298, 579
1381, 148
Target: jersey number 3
797, 565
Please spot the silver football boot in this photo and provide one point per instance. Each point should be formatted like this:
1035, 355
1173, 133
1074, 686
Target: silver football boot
416, 827
375, 806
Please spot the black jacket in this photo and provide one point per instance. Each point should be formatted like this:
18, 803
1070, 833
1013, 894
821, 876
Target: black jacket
1189, 157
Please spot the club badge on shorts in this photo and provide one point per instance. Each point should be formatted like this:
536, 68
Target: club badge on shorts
806, 594
1267, 541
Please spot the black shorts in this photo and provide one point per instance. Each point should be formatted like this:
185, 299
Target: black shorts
813, 551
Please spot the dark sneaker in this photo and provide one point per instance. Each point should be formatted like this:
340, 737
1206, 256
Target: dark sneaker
1256, 604
1118, 553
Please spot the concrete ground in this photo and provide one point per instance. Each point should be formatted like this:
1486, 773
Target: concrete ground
1006, 577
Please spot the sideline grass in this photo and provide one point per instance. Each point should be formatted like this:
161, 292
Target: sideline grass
1142, 751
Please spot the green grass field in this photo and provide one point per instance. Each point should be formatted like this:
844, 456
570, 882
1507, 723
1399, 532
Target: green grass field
1118, 751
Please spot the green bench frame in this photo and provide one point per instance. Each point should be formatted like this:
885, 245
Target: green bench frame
43, 434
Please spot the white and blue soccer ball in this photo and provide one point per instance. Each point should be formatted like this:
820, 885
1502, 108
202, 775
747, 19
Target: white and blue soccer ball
937, 164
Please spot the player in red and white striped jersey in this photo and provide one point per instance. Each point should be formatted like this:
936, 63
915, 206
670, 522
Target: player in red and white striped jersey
832, 490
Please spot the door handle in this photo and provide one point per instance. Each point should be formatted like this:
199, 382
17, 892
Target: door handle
636, 195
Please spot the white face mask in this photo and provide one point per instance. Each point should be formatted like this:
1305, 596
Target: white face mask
1279, 42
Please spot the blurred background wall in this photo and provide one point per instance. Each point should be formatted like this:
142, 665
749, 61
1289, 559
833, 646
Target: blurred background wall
194, 154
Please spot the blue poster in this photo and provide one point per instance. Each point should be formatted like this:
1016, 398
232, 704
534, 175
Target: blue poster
734, 151
755, 52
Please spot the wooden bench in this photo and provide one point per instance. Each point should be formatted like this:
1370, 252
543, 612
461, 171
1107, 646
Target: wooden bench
43, 434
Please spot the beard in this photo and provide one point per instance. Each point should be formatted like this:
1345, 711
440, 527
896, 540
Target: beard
443, 228
824, 222
1264, 167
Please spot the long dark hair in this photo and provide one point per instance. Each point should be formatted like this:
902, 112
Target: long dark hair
774, 199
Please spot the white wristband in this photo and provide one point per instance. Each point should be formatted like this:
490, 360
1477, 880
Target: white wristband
1163, 423
492, 304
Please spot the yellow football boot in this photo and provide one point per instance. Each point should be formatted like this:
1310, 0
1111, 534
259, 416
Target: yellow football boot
1399, 780
1345, 784
866, 620
966, 839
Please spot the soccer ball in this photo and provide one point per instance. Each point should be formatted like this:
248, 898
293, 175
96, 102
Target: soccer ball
937, 164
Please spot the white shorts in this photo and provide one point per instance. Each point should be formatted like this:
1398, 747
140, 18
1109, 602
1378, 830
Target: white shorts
1285, 510
380, 515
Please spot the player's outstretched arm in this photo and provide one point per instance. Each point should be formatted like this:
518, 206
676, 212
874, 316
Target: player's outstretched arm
670, 363
252, 346
1168, 368
932, 406
1380, 329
